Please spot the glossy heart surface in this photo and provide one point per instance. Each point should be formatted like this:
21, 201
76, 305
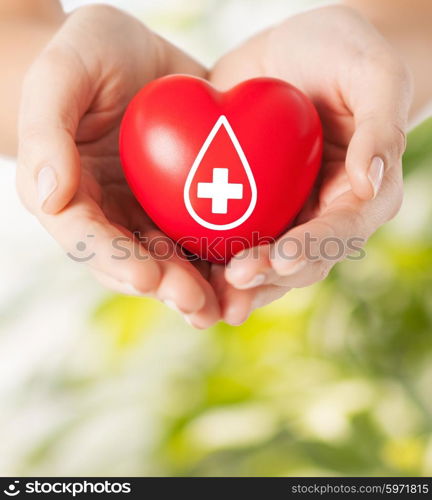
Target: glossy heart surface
219, 172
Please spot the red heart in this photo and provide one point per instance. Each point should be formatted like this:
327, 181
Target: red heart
220, 172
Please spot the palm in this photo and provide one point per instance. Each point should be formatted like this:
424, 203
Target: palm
105, 195
103, 185
93, 197
333, 179
331, 68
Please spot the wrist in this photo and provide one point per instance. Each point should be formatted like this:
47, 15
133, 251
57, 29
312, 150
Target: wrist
406, 26
49, 11
28, 37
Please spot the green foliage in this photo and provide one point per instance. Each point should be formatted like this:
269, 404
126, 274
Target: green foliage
418, 154
333, 379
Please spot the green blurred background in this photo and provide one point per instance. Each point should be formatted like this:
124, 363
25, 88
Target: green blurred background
335, 379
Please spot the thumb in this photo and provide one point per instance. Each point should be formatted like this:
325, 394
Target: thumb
53, 101
380, 102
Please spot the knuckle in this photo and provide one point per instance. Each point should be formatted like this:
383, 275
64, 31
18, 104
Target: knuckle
357, 224
353, 222
393, 142
397, 200
23, 192
386, 61
30, 133
40, 127
399, 141
31, 145
396, 67
324, 271
325, 226
386, 64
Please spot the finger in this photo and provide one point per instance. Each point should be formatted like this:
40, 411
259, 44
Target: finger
249, 268
183, 286
305, 276
300, 251
184, 289
89, 237
55, 95
379, 96
209, 314
306, 253
237, 305
265, 295
202, 319
114, 285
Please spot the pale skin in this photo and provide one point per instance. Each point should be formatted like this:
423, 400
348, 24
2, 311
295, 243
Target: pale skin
84, 72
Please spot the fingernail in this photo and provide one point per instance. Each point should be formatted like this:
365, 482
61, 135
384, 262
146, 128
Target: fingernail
188, 319
171, 304
124, 287
254, 282
236, 321
129, 289
376, 172
46, 184
235, 316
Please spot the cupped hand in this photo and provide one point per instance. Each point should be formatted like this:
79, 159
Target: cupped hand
362, 92
69, 172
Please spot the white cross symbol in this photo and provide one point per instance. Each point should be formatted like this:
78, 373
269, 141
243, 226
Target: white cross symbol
220, 191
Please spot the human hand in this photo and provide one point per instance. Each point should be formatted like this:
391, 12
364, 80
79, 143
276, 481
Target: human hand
69, 172
362, 93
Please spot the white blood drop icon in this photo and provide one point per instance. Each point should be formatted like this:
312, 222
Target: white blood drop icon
219, 189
